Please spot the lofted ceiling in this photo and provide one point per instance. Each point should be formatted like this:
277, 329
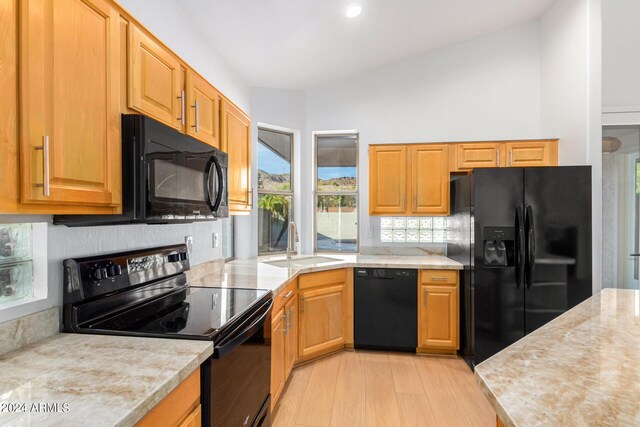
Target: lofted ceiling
297, 44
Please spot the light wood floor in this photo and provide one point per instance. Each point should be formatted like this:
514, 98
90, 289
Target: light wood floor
383, 389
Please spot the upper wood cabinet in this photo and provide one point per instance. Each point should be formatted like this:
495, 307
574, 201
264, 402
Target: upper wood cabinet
387, 179
203, 117
155, 80
438, 311
532, 153
236, 142
70, 112
429, 182
477, 155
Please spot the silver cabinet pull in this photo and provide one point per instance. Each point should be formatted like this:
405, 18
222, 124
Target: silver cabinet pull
288, 295
250, 198
498, 157
302, 304
286, 323
439, 279
290, 317
45, 166
511, 157
197, 125
182, 117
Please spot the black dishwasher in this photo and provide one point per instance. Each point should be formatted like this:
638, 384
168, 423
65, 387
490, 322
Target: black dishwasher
385, 309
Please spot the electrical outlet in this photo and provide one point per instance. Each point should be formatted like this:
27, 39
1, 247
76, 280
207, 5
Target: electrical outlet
215, 240
188, 240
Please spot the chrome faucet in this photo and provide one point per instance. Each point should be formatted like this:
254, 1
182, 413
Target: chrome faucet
292, 239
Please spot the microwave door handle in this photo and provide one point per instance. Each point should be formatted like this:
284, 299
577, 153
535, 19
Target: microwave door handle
221, 183
207, 183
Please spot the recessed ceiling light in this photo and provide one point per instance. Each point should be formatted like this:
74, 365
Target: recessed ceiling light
353, 10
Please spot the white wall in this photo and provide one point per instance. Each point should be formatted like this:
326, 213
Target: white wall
621, 55
171, 24
167, 20
571, 95
284, 110
486, 88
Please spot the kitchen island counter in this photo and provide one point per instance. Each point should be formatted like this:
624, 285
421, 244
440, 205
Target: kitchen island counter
580, 369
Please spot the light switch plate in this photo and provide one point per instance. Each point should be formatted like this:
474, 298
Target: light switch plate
188, 240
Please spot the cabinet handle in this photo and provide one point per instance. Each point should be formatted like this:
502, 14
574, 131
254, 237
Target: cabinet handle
302, 304
290, 317
182, 115
250, 192
498, 157
197, 125
288, 295
286, 323
439, 279
424, 296
45, 166
511, 157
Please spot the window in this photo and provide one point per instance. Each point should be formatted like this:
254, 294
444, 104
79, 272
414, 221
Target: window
23, 263
414, 229
228, 250
275, 189
336, 193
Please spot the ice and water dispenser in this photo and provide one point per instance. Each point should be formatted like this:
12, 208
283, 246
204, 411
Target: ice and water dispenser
499, 246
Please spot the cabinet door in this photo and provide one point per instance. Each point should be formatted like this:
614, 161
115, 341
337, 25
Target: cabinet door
531, 153
292, 335
236, 142
194, 419
478, 155
70, 112
278, 343
154, 80
322, 321
429, 169
203, 117
387, 179
9, 178
438, 317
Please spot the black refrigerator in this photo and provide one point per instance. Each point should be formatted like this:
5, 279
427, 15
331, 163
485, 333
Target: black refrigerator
524, 238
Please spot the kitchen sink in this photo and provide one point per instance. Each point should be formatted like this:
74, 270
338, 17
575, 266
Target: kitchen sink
301, 261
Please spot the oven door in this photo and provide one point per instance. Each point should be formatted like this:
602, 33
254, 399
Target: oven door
236, 380
183, 185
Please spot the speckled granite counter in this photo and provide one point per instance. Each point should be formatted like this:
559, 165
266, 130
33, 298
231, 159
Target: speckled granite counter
104, 380
255, 273
581, 369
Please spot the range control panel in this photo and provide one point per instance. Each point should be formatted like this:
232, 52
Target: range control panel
100, 275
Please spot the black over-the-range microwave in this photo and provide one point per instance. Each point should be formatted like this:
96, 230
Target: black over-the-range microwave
167, 177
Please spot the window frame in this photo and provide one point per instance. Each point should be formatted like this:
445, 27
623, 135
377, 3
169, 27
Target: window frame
276, 192
316, 193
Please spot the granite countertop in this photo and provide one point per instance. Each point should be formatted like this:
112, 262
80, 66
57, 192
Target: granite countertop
581, 369
105, 380
255, 273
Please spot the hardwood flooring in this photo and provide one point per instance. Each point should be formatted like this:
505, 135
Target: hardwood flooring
371, 389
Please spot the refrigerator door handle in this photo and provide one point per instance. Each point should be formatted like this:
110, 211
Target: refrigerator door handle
530, 246
520, 247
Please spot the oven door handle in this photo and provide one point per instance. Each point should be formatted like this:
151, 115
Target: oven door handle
213, 162
239, 338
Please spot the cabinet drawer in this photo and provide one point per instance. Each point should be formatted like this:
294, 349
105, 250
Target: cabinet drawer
285, 295
445, 277
323, 278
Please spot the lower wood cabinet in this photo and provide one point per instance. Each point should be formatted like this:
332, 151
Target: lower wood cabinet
284, 338
180, 408
291, 339
438, 311
322, 320
278, 351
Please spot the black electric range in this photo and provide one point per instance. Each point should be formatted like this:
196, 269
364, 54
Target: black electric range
145, 293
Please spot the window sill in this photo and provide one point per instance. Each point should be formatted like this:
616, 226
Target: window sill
22, 301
